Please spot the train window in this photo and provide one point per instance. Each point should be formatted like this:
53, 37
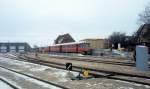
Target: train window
70, 46
66, 46
73, 45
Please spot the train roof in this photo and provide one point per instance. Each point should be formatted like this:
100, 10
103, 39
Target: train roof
71, 43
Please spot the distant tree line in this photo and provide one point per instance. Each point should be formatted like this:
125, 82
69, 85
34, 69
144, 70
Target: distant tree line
116, 38
121, 38
144, 17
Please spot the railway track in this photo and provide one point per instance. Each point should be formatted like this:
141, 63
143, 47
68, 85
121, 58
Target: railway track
101, 61
86, 59
32, 77
90, 59
9, 84
140, 79
104, 60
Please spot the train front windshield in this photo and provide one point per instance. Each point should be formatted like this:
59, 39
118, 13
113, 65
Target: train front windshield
84, 45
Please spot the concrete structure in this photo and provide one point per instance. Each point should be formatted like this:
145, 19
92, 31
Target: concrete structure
97, 43
65, 38
14, 47
142, 58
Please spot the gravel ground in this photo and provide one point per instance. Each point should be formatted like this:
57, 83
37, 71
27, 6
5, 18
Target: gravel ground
101, 66
101, 83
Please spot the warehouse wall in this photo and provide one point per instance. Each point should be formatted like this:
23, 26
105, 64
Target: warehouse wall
14, 47
97, 43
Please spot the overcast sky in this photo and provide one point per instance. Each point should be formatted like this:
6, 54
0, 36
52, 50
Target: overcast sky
39, 22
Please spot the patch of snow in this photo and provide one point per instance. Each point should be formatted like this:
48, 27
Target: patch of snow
121, 53
116, 52
4, 85
33, 80
39, 68
61, 74
14, 62
147, 86
12, 55
11, 82
88, 85
125, 88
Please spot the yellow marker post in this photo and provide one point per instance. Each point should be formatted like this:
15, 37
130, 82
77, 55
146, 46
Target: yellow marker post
85, 66
86, 73
95, 64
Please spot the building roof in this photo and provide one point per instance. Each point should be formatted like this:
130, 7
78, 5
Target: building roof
65, 38
70, 43
93, 39
141, 34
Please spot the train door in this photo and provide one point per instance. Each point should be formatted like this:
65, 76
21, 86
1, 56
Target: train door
49, 49
77, 48
60, 48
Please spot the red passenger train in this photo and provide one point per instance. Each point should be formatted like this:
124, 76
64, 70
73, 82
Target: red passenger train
80, 47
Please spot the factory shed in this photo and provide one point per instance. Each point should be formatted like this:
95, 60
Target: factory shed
14, 47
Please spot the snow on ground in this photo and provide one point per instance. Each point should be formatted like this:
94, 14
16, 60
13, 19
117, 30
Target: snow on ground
120, 53
4, 85
11, 82
14, 62
12, 55
39, 68
35, 69
29, 80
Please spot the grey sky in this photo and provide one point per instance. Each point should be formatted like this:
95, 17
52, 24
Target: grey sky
40, 21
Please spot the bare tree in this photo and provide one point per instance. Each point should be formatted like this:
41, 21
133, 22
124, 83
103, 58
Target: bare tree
117, 37
35, 46
145, 16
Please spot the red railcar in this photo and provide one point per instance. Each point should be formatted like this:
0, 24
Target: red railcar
55, 48
44, 49
80, 47
69, 47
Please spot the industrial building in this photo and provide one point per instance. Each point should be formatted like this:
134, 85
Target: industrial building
97, 43
14, 47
